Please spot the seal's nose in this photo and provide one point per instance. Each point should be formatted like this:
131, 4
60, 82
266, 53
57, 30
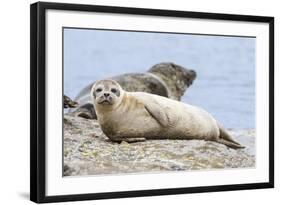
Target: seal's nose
106, 94
190, 75
193, 74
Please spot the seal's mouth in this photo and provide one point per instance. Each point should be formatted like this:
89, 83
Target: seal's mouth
105, 102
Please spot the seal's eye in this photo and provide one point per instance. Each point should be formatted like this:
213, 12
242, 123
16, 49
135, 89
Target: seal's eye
114, 90
98, 90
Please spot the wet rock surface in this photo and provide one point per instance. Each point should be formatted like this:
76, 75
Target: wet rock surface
87, 151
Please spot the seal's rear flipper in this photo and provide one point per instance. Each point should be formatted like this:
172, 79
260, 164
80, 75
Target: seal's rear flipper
226, 139
230, 144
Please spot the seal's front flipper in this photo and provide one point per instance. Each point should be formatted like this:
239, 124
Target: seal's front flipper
158, 113
85, 115
86, 111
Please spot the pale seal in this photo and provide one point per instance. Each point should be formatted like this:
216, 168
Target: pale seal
164, 79
136, 116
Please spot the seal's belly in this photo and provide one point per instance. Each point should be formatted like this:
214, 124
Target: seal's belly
137, 123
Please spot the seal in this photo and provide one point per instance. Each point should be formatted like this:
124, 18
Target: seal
68, 103
164, 79
137, 116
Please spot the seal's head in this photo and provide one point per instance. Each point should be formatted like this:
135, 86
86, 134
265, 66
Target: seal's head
106, 93
176, 77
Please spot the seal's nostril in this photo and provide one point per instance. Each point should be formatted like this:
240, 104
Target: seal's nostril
106, 94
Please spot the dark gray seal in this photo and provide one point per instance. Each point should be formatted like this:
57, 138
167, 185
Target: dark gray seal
165, 79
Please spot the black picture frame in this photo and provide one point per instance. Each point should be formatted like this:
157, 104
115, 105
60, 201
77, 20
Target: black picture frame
38, 101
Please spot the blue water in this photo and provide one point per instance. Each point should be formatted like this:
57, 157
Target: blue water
225, 66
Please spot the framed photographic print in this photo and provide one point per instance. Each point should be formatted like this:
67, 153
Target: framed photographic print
129, 102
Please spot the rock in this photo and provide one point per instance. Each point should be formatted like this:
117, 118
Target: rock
87, 151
